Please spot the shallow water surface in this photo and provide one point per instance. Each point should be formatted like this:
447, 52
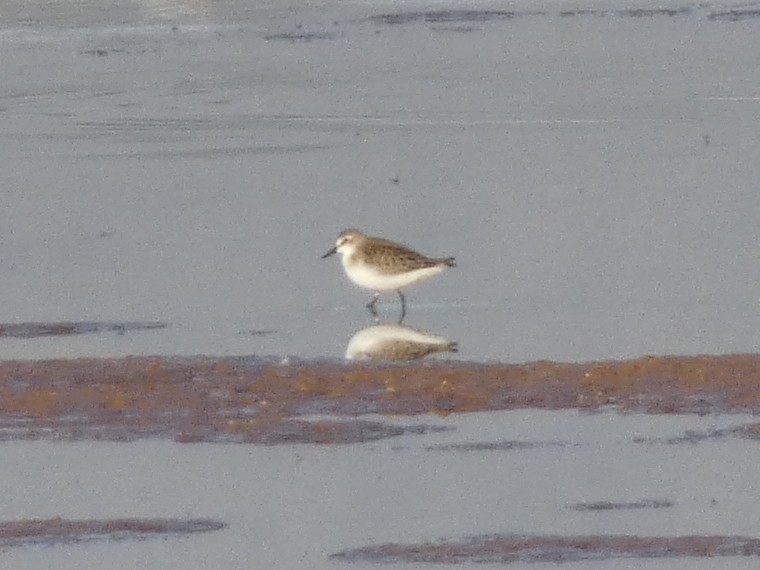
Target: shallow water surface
593, 168
295, 505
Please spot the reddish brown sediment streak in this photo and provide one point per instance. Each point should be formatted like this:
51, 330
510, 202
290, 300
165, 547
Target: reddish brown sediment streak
506, 549
248, 399
55, 531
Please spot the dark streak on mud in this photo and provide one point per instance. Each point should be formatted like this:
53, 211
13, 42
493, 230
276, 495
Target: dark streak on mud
57, 531
746, 431
258, 332
735, 15
497, 446
609, 506
443, 16
323, 432
583, 12
299, 37
102, 52
33, 330
470, 16
506, 549
464, 29
629, 13
253, 400
653, 12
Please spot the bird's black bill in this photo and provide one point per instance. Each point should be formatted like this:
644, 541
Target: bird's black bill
331, 252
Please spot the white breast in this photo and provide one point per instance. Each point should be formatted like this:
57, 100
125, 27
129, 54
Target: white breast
366, 276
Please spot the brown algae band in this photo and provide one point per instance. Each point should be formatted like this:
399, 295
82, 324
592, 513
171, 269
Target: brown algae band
246, 399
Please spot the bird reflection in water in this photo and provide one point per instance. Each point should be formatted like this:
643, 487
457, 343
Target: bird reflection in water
388, 342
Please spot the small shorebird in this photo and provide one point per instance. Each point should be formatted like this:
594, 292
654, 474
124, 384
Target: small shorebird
382, 265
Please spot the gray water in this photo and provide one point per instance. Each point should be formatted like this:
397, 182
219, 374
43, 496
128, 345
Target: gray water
293, 506
593, 169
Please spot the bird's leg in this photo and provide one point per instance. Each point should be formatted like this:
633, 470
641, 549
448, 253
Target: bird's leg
371, 305
403, 305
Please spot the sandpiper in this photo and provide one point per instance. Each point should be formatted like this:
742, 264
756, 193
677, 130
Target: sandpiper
382, 265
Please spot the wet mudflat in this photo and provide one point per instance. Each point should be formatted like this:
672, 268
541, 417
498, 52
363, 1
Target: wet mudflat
403, 464
265, 401
171, 172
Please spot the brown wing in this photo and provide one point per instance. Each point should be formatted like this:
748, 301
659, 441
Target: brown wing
395, 258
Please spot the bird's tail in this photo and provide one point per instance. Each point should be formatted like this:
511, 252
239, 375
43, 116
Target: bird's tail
449, 262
